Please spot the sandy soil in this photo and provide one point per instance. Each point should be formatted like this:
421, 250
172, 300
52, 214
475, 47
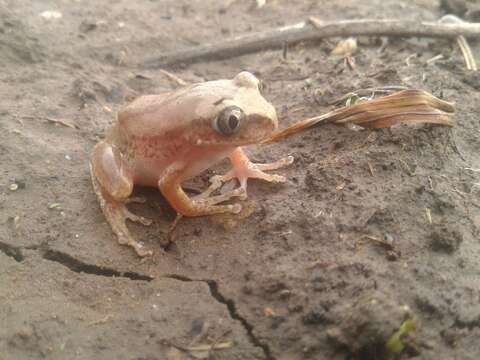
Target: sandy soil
294, 277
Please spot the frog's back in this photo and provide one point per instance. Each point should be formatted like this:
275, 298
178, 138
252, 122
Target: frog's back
154, 115
144, 116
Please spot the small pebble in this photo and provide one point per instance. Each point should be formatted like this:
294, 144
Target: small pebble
388, 238
13, 187
49, 15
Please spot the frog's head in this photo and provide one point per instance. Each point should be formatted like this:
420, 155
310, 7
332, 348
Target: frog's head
237, 115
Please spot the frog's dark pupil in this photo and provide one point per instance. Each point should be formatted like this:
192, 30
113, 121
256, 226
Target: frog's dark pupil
229, 121
233, 122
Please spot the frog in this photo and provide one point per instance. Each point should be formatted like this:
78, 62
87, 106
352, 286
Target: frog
164, 139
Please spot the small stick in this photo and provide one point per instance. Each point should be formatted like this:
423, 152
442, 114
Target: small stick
461, 42
52, 120
435, 58
428, 214
370, 167
313, 29
467, 53
173, 77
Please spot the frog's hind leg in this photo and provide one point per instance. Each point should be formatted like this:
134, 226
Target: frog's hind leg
243, 169
113, 185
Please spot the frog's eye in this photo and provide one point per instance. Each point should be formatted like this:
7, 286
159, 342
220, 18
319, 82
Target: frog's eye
229, 120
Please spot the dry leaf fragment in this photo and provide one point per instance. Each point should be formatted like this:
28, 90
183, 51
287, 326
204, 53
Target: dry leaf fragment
407, 106
203, 351
269, 312
206, 347
55, 206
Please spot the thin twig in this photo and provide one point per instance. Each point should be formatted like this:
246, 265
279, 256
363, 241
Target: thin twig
305, 31
173, 77
467, 53
51, 120
461, 41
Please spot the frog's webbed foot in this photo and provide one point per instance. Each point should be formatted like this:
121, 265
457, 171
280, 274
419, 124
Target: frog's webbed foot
204, 199
117, 214
136, 218
216, 182
136, 200
243, 169
205, 204
199, 205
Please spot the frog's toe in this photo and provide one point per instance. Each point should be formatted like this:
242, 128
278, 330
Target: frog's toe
276, 165
136, 218
116, 214
136, 200
235, 208
251, 170
125, 239
255, 173
244, 169
216, 182
213, 200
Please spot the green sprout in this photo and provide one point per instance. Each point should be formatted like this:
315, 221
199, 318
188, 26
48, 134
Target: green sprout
395, 344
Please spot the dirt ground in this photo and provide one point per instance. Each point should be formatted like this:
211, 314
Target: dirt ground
297, 275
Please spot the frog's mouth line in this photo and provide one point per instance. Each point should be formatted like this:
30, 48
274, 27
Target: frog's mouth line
227, 143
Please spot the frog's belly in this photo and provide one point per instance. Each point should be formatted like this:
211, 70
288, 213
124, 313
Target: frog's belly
148, 174
187, 164
151, 158
200, 159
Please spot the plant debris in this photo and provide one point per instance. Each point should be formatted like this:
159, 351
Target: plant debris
407, 106
395, 344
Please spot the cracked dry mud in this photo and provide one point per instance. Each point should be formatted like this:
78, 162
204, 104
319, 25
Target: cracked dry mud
293, 276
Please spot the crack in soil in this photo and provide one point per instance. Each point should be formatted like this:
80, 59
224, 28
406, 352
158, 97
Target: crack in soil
14, 252
232, 310
79, 266
469, 324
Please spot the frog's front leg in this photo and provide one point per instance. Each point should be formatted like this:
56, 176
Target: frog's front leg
113, 184
170, 187
243, 169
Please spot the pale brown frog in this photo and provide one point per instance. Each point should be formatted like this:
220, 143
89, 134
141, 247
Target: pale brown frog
162, 140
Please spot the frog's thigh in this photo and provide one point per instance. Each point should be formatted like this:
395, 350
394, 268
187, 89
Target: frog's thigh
110, 171
171, 189
113, 184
